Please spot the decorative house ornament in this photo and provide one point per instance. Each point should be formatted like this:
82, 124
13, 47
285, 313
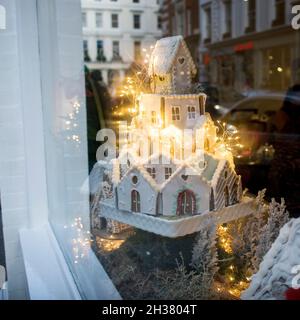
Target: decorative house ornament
174, 172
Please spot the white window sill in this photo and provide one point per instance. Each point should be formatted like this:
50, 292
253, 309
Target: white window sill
47, 273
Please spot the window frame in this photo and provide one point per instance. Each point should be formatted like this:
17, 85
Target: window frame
176, 115
137, 24
97, 24
115, 21
168, 172
153, 117
152, 172
84, 19
50, 56
191, 112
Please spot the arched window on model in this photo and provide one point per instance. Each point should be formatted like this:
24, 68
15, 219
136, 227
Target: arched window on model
135, 201
226, 196
153, 117
212, 201
186, 203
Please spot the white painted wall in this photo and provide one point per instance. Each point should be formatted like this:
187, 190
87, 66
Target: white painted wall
22, 172
194, 183
148, 196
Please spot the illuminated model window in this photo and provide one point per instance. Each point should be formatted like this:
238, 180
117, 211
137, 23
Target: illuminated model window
191, 113
175, 113
168, 173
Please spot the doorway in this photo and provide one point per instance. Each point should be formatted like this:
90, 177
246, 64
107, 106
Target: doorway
186, 203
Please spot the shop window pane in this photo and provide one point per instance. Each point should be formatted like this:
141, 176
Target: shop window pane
65, 134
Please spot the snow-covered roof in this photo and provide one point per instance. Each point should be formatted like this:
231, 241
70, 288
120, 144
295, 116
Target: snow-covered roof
218, 172
96, 175
144, 173
164, 54
191, 164
183, 169
278, 268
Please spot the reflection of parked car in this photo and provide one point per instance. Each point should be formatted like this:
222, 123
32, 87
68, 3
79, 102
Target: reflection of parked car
255, 118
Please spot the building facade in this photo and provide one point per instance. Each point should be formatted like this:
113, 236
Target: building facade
248, 45
181, 17
115, 32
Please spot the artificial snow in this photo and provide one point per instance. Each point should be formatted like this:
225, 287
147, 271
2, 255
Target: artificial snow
275, 275
164, 53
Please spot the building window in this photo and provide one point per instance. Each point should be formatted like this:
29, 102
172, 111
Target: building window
136, 21
152, 172
180, 21
153, 117
136, 1
137, 50
100, 51
227, 18
86, 51
116, 50
175, 113
279, 13
207, 15
99, 20
115, 20
84, 19
168, 173
191, 113
159, 22
135, 201
189, 22
251, 16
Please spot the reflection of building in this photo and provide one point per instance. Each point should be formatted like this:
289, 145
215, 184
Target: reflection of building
248, 44
181, 17
115, 32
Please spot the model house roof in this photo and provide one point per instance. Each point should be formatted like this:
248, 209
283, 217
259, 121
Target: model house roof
144, 173
278, 268
185, 169
165, 53
206, 174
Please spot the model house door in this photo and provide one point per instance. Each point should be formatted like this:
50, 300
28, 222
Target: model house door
186, 204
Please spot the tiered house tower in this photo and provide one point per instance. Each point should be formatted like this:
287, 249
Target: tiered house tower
155, 175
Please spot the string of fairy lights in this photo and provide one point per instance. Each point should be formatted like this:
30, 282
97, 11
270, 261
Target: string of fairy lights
235, 287
81, 241
71, 123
